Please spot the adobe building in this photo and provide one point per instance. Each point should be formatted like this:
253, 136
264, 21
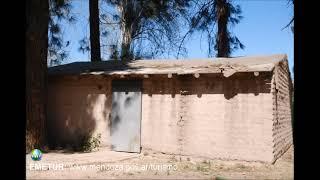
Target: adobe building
225, 108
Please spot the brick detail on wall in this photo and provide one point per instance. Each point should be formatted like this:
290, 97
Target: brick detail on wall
282, 107
160, 115
212, 116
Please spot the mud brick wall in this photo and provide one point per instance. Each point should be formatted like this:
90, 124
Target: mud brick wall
160, 115
78, 106
282, 122
212, 116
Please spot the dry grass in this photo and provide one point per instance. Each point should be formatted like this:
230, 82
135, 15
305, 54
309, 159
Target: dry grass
186, 168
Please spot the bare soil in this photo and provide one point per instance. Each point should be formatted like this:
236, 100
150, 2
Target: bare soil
106, 164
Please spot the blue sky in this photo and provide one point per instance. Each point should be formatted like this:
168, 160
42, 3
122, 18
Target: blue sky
260, 31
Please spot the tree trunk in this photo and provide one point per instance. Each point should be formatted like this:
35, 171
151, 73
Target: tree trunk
37, 17
94, 30
126, 29
125, 45
223, 44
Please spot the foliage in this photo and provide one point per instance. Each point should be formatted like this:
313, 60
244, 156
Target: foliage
59, 11
148, 28
221, 13
90, 143
290, 24
84, 45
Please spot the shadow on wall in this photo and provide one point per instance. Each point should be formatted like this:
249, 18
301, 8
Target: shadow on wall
74, 117
116, 119
119, 111
71, 114
239, 83
73, 110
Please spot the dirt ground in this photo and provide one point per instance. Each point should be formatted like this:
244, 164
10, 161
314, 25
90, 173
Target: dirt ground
105, 164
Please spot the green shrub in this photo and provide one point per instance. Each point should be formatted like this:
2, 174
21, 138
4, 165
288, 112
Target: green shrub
91, 143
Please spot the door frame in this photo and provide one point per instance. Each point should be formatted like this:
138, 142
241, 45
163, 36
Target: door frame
136, 85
